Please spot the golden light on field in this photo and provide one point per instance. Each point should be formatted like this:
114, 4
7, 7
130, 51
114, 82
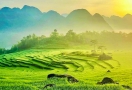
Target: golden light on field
122, 7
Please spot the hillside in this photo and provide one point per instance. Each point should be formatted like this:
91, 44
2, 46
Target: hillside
29, 69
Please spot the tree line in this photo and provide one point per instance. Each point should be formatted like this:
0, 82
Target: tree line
71, 39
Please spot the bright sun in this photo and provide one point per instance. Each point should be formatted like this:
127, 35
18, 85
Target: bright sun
123, 7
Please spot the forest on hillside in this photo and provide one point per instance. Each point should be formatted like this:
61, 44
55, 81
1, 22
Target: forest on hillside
108, 39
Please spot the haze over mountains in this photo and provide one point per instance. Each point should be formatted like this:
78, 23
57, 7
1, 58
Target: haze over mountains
118, 23
16, 22
80, 19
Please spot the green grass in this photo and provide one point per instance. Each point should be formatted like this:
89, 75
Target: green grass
28, 70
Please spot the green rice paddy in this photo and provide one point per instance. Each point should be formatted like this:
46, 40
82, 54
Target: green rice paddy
28, 70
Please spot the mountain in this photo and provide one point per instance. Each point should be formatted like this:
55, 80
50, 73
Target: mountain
79, 15
31, 17
128, 21
30, 14
18, 18
101, 23
79, 19
52, 18
83, 20
120, 23
16, 22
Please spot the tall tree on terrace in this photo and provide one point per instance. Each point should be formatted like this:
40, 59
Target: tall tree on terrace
94, 43
102, 48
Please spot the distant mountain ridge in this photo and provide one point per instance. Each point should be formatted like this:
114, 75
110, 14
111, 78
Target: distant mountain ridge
29, 16
118, 23
80, 19
16, 23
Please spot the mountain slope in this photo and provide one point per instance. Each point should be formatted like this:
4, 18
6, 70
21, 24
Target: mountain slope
101, 23
82, 19
120, 23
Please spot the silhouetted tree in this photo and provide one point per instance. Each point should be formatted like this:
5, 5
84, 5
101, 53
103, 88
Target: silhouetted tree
71, 36
94, 43
101, 48
54, 34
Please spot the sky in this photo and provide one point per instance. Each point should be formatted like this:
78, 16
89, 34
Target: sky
104, 7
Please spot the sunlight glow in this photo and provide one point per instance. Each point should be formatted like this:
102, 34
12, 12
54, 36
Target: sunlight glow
122, 7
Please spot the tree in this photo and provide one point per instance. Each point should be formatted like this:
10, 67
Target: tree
101, 48
2, 50
54, 34
71, 36
94, 43
14, 48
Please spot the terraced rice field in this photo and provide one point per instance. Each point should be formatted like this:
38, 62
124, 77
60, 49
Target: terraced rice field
30, 69
73, 61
